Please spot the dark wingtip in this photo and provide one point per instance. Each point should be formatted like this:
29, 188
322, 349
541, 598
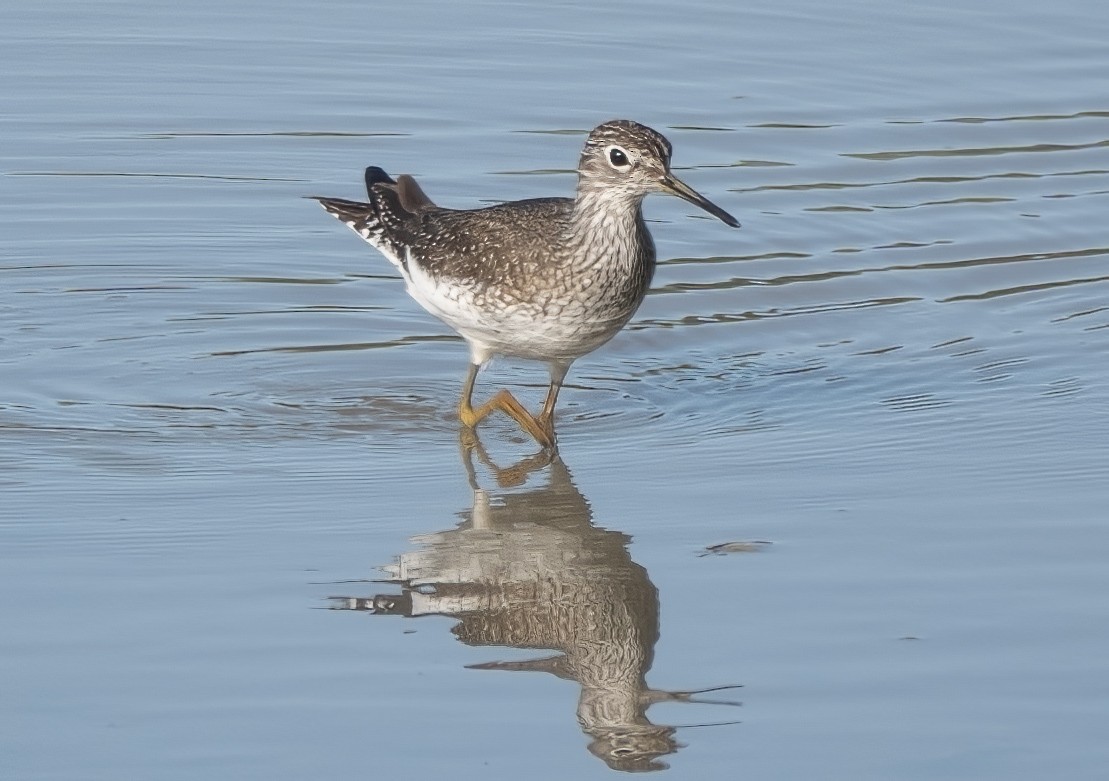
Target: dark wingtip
375, 175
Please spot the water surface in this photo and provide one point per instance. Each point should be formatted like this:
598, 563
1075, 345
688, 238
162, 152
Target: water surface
851, 458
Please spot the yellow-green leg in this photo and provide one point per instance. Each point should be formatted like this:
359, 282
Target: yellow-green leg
540, 428
546, 415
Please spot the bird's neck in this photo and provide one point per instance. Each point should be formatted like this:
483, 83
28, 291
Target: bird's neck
607, 221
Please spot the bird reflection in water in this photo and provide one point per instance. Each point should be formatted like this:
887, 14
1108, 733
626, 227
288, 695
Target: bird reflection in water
528, 569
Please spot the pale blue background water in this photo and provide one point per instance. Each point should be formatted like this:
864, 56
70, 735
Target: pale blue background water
218, 408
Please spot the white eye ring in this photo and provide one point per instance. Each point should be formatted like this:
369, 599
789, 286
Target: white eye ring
618, 157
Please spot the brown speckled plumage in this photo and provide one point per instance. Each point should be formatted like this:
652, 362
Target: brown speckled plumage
546, 279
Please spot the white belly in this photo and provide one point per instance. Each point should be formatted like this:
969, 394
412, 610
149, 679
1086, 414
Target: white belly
541, 331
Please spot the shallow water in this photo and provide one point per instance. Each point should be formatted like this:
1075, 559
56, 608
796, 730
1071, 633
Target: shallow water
852, 457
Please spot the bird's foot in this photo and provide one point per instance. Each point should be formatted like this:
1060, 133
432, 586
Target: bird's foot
541, 429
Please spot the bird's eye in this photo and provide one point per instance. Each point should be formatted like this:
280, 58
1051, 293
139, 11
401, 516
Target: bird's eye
618, 157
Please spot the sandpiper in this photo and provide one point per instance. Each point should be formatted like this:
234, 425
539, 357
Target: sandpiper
543, 279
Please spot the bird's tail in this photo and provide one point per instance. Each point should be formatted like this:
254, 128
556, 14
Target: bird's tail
385, 221
369, 222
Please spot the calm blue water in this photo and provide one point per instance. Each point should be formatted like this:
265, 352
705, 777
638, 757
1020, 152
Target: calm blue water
853, 457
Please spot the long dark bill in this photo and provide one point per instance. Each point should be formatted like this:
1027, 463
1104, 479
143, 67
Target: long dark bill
676, 186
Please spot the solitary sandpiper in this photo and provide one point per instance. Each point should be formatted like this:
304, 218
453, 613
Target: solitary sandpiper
543, 279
